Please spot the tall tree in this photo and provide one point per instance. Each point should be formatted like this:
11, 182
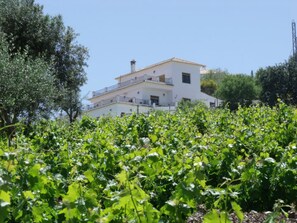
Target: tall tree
69, 66
29, 29
278, 82
26, 88
237, 89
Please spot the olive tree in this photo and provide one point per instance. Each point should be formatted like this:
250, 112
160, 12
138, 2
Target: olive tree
29, 30
27, 88
237, 89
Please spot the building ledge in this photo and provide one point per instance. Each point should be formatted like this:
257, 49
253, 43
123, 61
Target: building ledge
145, 78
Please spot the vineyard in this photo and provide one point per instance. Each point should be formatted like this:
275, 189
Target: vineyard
152, 168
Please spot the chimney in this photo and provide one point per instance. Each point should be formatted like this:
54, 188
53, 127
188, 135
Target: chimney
133, 63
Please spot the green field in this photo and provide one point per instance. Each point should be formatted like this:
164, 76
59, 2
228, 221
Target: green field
151, 168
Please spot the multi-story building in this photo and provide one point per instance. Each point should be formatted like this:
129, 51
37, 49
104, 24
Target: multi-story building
156, 87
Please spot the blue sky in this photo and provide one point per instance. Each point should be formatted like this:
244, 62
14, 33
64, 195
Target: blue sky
234, 35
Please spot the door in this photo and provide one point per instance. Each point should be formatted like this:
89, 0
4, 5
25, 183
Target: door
155, 99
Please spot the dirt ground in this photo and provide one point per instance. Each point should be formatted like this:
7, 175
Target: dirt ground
249, 217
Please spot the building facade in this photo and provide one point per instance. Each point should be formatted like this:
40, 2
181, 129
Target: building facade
157, 87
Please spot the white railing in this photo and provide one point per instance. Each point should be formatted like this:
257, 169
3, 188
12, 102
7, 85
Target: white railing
135, 101
137, 80
117, 99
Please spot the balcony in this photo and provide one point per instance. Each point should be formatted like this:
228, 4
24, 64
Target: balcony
117, 99
145, 78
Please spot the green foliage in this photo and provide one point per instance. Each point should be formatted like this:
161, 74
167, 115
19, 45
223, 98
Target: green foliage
152, 168
26, 88
278, 82
237, 89
209, 86
216, 75
28, 30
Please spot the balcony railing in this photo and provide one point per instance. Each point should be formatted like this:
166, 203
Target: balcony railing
116, 99
137, 80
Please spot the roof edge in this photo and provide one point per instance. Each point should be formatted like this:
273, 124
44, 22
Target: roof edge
173, 59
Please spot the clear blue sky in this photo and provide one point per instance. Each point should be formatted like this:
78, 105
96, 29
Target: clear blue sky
236, 35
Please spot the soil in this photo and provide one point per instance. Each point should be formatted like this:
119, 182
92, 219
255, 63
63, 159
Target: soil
249, 217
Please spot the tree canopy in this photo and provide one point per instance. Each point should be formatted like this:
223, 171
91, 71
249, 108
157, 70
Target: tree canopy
29, 30
211, 79
237, 89
278, 82
27, 88
216, 75
209, 86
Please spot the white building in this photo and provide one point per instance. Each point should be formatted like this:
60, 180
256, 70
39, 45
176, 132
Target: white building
157, 87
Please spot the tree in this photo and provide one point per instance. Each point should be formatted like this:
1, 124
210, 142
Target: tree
211, 79
217, 75
209, 86
278, 82
26, 88
237, 89
69, 66
29, 30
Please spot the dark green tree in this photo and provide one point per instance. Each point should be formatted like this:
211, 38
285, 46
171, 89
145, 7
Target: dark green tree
209, 86
28, 29
27, 88
237, 89
278, 82
70, 60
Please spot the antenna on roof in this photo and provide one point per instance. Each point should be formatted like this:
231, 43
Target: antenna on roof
294, 39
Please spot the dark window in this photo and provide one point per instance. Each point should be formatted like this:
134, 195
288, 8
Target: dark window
186, 99
212, 104
186, 78
155, 99
162, 78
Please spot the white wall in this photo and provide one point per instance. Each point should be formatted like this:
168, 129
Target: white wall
117, 109
165, 97
184, 90
129, 91
165, 68
144, 90
207, 99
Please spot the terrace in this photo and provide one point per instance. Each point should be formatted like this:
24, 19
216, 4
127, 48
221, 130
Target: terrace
137, 80
124, 99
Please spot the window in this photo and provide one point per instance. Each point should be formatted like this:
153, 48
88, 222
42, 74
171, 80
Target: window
186, 99
155, 99
162, 78
186, 78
